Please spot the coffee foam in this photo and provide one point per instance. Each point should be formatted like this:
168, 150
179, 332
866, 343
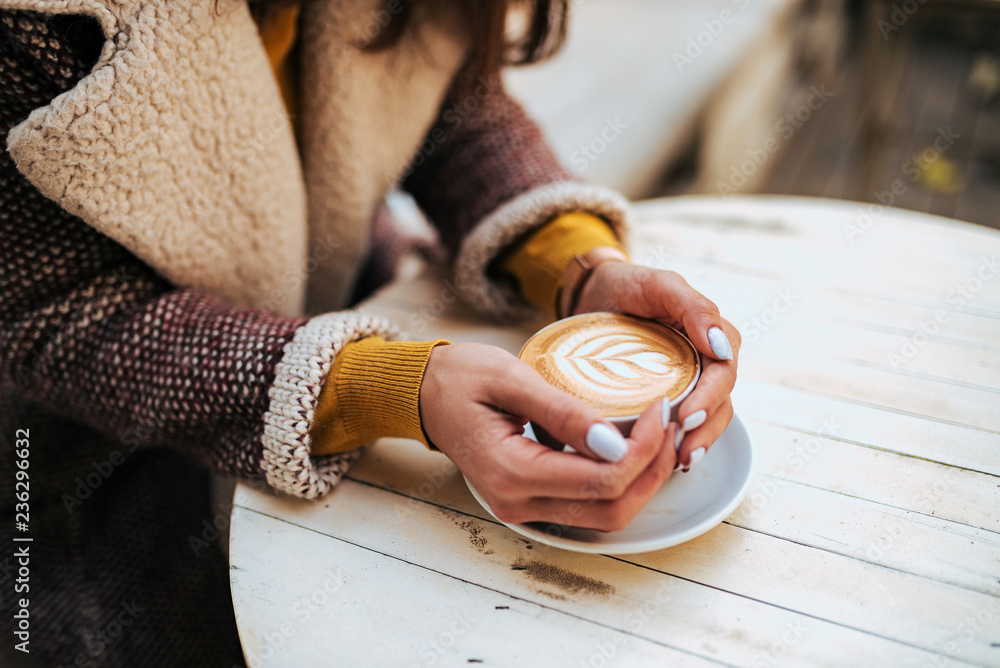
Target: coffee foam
618, 364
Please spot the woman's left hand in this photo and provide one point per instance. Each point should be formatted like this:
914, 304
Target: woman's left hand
665, 296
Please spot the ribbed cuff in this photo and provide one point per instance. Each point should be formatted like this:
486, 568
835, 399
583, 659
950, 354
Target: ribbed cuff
294, 397
372, 391
539, 261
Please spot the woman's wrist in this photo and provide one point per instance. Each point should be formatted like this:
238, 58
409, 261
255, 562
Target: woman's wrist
578, 273
538, 262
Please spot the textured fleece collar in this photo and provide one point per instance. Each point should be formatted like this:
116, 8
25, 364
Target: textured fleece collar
177, 144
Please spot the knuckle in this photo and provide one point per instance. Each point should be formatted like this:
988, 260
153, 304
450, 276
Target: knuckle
673, 276
645, 449
610, 486
702, 305
617, 487
644, 278
506, 513
638, 288
589, 492
505, 381
598, 491
617, 517
560, 414
517, 372
502, 485
662, 473
617, 491
612, 491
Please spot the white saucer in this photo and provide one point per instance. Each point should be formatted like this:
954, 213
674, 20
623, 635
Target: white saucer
688, 504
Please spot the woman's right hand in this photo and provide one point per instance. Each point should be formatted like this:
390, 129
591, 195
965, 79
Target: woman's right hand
474, 402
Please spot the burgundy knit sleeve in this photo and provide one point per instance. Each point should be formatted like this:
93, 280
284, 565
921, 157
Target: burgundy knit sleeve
90, 332
483, 151
484, 176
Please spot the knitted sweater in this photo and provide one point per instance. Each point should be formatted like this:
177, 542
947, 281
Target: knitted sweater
124, 367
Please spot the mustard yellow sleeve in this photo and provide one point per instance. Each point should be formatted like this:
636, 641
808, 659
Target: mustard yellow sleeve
538, 261
278, 29
371, 391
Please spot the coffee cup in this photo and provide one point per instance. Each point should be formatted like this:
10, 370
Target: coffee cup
619, 364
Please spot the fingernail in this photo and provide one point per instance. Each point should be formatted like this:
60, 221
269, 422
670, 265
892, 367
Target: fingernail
678, 439
665, 413
606, 442
695, 420
696, 456
720, 344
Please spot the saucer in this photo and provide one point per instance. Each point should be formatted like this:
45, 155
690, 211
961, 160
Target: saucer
688, 504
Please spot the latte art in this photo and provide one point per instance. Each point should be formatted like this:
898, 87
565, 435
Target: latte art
619, 364
610, 365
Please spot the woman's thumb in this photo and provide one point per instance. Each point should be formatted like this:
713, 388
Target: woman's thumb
563, 419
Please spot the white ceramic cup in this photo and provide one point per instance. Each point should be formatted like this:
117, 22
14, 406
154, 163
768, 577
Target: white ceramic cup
624, 424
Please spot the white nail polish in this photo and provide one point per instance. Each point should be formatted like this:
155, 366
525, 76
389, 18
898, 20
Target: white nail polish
695, 420
606, 442
678, 439
696, 456
720, 344
665, 413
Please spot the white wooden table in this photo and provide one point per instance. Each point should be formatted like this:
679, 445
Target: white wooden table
871, 535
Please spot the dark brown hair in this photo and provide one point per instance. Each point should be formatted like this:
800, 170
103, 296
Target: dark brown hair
543, 24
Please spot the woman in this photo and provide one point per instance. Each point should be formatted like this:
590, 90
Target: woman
191, 198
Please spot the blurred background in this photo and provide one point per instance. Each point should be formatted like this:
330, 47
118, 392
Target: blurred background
891, 101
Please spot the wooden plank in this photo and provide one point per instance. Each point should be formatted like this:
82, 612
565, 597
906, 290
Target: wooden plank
913, 354
802, 220
336, 599
867, 327
866, 425
745, 297
845, 181
980, 200
910, 131
865, 270
787, 505
775, 239
841, 590
782, 506
960, 328
963, 406
961, 115
959, 495
737, 628
902, 540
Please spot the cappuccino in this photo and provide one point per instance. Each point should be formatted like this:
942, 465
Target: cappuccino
619, 364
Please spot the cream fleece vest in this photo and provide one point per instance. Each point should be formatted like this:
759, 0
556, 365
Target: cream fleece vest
177, 144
